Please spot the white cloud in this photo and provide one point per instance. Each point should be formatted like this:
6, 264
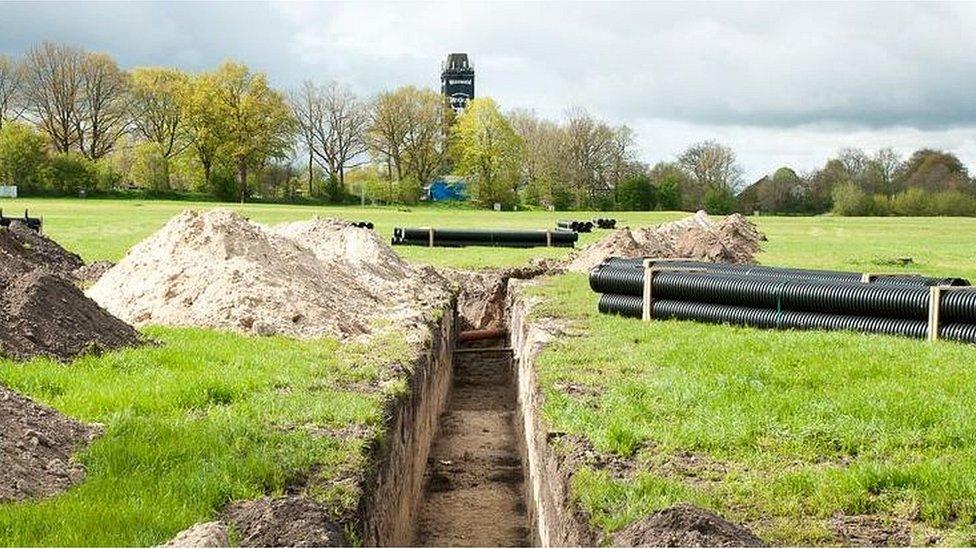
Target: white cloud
781, 82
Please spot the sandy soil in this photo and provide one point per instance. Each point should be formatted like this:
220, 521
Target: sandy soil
474, 494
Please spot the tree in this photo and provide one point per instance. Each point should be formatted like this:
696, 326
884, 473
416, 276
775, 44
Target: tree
52, 89
590, 144
489, 152
425, 143
544, 169
332, 124
933, 171
204, 122
668, 179
11, 77
157, 113
388, 129
714, 170
103, 112
637, 193
884, 168
23, 157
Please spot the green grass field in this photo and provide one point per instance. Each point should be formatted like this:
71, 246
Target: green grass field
778, 430
797, 426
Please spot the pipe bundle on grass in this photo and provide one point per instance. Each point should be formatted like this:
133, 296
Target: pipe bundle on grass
771, 297
473, 237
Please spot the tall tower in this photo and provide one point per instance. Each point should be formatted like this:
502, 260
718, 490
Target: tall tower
457, 81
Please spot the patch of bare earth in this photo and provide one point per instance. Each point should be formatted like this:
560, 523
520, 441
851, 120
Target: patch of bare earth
291, 521
870, 531
36, 444
474, 493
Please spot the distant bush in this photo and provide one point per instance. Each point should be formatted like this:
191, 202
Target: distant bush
71, 173
849, 200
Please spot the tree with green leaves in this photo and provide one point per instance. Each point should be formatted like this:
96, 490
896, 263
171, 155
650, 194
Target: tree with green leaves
23, 157
488, 152
255, 121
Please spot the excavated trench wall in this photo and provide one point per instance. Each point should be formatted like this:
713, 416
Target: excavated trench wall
390, 509
559, 522
390, 506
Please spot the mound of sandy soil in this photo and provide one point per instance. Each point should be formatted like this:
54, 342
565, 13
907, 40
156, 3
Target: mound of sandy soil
42, 313
204, 534
733, 240
685, 526
283, 522
313, 279
36, 444
91, 272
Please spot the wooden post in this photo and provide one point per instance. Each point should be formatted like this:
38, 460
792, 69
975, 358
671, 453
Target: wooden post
648, 288
430, 237
548, 238
935, 298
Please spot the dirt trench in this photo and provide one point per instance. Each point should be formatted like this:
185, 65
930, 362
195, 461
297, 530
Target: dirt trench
474, 486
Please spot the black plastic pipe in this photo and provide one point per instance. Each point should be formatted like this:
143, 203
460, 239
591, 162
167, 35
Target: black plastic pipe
604, 223
632, 306
786, 272
469, 237
829, 296
578, 226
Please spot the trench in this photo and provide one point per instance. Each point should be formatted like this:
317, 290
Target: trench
474, 485
467, 461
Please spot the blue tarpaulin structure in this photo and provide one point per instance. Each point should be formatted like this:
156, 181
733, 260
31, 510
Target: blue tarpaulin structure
447, 188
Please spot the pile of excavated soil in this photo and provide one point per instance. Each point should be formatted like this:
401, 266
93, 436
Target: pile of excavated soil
204, 534
481, 294
36, 444
290, 521
42, 313
90, 273
732, 240
685, 526
42, 252
311, 279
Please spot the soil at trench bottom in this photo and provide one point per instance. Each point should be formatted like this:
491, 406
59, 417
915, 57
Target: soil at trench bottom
474, 484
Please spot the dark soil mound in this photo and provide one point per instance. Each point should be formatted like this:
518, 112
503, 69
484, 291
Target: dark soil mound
42, 313
89, 274
40, 251
283, 522
36, 444
685, 526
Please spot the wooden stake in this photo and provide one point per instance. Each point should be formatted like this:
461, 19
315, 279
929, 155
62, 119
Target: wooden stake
430, 237
648, 286
935, 299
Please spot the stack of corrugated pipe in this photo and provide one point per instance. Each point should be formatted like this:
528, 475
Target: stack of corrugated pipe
363, 224
783, 298
578, 226
455, 238
602, 223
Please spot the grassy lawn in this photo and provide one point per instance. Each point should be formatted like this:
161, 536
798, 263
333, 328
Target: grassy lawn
198, 421
796, 426
778, 430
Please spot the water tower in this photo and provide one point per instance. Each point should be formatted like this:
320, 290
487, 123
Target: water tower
457, 81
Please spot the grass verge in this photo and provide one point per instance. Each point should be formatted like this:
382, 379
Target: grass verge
200, 420
780, 430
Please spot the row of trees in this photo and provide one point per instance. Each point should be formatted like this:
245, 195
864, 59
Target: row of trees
929, 182
72, 120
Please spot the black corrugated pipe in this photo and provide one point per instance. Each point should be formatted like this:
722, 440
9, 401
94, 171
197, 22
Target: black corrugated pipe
578, 226
363, 224
632, 306
605, 223
785, 272
468, 237
827, 296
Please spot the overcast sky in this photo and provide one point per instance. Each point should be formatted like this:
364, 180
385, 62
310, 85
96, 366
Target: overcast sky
784, 84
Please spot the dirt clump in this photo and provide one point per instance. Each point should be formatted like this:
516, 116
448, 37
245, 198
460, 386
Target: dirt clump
36, 444
204, 534
44, 314
310, 279
685, 525
869, 531
733, 240
290, 521
481, 294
